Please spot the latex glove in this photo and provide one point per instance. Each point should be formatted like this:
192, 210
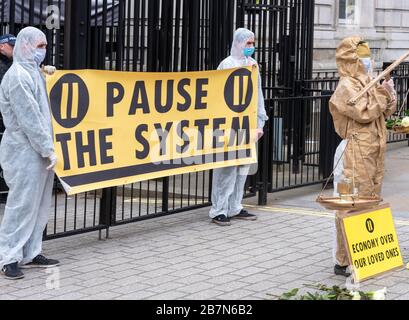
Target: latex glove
259, 134
53, 161
50, 70
390, 86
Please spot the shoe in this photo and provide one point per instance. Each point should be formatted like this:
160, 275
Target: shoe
12, 271
41, 262
244, 215
341, 271
222, 220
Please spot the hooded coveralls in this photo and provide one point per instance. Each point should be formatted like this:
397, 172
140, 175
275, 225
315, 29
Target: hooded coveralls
228, 183
27, 143
366, 120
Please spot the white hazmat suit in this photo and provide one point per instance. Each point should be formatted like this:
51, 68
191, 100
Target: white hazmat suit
228, 183
25, 151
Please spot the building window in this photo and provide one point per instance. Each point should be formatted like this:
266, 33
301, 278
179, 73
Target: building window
347, 11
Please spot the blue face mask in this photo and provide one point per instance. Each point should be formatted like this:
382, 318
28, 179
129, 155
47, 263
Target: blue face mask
39, 56
367, 62
248, 52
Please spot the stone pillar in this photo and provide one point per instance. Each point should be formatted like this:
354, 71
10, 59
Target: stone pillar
366, 14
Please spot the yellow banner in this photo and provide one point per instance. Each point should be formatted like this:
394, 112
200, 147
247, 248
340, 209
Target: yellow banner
372, 243
115, 128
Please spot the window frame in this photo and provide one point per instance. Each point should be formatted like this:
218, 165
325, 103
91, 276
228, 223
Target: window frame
347, 21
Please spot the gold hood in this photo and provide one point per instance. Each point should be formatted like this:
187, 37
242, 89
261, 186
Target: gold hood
348, 61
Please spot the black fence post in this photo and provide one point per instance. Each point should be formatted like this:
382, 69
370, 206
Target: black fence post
221, 31
240, 13
119, 64
77, 15
153, 36
194, 36
298, 129
329, 139
76, 49
264, 163
107, 214
12, 16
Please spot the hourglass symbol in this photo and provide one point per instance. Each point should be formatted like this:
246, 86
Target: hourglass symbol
370, 226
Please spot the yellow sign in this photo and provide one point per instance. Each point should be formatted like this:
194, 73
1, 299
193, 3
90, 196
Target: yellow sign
115, 128
372, 242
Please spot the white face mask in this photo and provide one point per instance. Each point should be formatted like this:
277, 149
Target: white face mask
39, 55
367, 62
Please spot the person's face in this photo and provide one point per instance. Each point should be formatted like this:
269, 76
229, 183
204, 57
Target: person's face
6, 50
250, 43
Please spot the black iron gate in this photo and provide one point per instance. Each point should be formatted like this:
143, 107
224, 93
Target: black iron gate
154, 36
184, 35
289, 152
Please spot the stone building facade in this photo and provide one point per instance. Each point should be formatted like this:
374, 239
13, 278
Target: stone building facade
384, 23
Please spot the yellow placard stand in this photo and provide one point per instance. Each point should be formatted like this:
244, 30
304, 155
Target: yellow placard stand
371, 242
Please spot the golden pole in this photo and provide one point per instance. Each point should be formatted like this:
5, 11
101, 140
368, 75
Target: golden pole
384, 74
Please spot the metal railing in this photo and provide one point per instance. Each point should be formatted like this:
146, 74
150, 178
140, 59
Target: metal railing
328, 81
292, 164
184, 35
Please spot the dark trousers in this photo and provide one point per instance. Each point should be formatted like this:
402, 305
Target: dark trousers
3, 186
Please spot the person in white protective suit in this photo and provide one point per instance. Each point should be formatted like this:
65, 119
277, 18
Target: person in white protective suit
228, 183
27, 157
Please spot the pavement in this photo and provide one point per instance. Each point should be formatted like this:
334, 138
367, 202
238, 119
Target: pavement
185, 256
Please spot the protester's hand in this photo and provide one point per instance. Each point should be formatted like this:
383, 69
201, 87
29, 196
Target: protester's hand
53, 161
50, 70
390, 86
259, 134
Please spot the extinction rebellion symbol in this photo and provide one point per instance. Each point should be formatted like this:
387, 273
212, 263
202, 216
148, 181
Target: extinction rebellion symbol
370, 226
69, 99
239, 80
